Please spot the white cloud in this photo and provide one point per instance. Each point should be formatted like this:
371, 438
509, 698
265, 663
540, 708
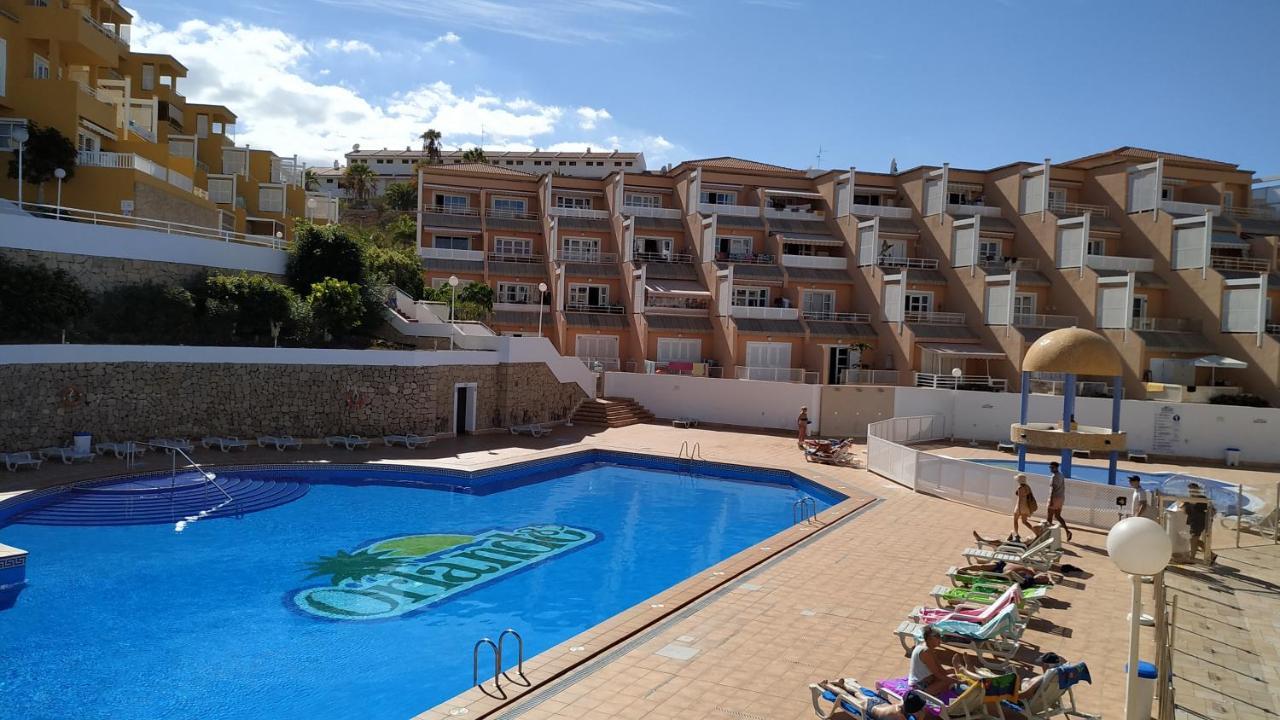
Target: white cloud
449, 38
350, 46
588, 117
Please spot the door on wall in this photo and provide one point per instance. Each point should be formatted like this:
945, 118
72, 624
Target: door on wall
1173, 372
602, 349
840, 359
460, 410
768, 361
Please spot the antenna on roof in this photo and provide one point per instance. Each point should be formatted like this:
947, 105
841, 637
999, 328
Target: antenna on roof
893, 166
818, 161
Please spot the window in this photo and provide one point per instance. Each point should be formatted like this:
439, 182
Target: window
1024, 304
508, 246
628, 163
959, 197
679, 350
860, 199
989, 250
1139, 307
641, 200
734, 247
582, 249
451, 202
88, 142
451, 242
580, 203
1228, 197
573, 162
655, 246
750, 296
1166, 192
1097, 246
768, 355
4, 63
919, 302
821, 302
712, 197
40, 69
148, 77
513, 206
514, 293
588, 295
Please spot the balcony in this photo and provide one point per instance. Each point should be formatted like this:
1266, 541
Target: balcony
792, 214
600, 364
1177, 207
647, 211
588, 256
502, 214
816, 261
1273, 328
934, 318
1164, 324
1123, 264
527, 306
587, 213
676, 305
739, 210
436, 253
662, 257
1067, 209
884, 211
460, 210
769, 374
182, 182
1008, 264
749, 259
764, 313
1032, 320
858, 376
597, 308
1239, 264
1261, 212
516, 258
907, 262
961, 382
824, 316
983, 210
124, 161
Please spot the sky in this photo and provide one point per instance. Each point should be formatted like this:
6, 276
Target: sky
799, 83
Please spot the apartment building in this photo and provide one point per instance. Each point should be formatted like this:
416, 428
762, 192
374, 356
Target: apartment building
934, 276
143, 150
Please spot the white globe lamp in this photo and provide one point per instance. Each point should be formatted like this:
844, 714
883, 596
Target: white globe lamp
1140, 547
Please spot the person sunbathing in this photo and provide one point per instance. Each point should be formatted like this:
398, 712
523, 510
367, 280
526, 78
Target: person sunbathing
1024, 575
868, 705
1042, 532
929, 661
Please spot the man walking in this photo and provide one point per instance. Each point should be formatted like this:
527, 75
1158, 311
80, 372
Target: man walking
1140, 504
1057, 497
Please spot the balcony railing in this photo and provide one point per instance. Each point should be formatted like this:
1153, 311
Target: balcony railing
816, 261
662, 257
92, 217
884, 211
858, 376
451, 254
739, 210
180, 181
1059, 207
464, 210
647, 211
934, 318
1188, 208
983, 210
600, 364
1223, 262
124, 161
907, 262
1056, 386
962, 382
1032, 320
510, 214
769, 374
1124, 264
1009, 264
764, 313
145, 133
793, 214
1164, 324
515, 305
588, 256
595, 308
751, 259
690, 310
579, 213
1273, 328
824, 316
1262, 212
515, 258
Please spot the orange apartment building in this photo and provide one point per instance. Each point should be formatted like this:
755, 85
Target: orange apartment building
143, 150
935, 276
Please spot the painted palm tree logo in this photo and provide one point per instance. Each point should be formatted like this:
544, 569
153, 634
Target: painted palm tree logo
355, 566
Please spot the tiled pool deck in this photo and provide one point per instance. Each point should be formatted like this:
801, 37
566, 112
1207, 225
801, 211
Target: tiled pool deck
746, 643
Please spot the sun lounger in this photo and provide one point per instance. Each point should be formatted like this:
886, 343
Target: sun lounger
1262, 524
1005, 446
350, 442
967, 704
684, 422
67, 455
968, 612
951, 597
838, 453
1054, 696
967, 578
225, 444
1041, 556
171, 444
852, 698
1136, 455
997, 638
120, 449
409, 440
13, 461
533, 429
279, 442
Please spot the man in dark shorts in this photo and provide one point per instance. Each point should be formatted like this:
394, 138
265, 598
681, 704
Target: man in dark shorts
1196, 508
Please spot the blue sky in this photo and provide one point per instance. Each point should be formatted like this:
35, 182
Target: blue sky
976, 84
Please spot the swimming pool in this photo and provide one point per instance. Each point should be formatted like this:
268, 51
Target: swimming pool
1222, 494
361, 595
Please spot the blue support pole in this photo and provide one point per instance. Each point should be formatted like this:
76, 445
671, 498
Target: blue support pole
1068, 411
1117, 389
1022, 419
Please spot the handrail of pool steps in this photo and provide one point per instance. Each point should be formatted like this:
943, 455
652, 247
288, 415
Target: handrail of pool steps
804, 510
174, 451
519, 656
497, 668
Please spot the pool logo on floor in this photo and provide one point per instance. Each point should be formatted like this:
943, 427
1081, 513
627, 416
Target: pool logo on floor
400, 575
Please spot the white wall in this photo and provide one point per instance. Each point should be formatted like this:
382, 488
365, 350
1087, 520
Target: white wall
25, 232
1206, 430
747, 403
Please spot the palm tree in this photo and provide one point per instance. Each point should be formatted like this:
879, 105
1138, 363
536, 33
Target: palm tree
310, 181
474, 155
359, 180
352, 566
431, 146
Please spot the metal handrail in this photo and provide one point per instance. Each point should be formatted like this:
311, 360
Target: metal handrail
497, 666
804, 510
823, 315
62, 212
519, 656
510, 214
889, 261
451, 210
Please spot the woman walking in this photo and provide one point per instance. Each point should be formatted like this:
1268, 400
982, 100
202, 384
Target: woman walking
802, 427
1024, 505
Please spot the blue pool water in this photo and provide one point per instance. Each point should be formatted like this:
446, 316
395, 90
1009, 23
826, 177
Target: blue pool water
1222, 494
225, 620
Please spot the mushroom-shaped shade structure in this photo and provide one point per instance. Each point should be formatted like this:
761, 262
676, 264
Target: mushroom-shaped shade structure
1074, 351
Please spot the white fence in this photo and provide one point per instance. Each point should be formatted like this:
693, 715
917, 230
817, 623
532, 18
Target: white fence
888, 455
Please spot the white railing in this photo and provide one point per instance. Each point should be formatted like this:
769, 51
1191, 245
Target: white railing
662, 257
769, 374
1009, 264
753, 259
516, 258
889, 455
1188, 208
1222, 262
452, 210
92, 217
588, 256
948, 381
595, 308
647, 211
321, 208
764, 313
143, 132
885, 211
451, 254
860, 376
7, 126
1124, 264
529, 306
1262, 212
180, 181
739, 210
934, 318
124, 161
600, 364
1059, 207
816, 261
907, 262
1032, 320
793, 214
983, 210
1084, 388
823, 315
504, 214
691, 310
686, 367
1163, 324
579, 213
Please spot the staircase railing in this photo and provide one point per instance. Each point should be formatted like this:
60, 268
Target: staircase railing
209, 478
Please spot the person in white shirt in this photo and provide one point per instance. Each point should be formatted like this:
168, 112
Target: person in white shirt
1140, 504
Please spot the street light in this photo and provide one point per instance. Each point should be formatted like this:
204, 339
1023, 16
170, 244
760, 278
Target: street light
453, 300
60, 174
956, 374
18, 140
542, 291
1140, 547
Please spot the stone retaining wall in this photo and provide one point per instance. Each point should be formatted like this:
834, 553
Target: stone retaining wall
96, 273
43, 405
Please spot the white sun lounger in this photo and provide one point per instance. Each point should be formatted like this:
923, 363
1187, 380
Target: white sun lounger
171, 444
225, 444
1041, 556
67, 455
13, 461
120, 449
350, 442
279, 442
408, 440
532, 429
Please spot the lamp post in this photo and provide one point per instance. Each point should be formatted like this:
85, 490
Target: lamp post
1140, 547
542, 292
956, 374
18, 141
311, 208
453, 300
60, 174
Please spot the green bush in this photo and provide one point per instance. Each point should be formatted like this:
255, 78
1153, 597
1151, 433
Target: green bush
320, 252
337, 306
1242, 399
257, 306
38, 304
397, 266
402, 197
145, 313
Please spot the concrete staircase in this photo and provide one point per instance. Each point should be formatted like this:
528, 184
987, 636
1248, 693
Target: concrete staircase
611, 412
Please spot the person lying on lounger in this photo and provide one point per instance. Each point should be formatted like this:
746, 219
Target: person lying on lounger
873, 707
929, 661
1026, 576
1042, 530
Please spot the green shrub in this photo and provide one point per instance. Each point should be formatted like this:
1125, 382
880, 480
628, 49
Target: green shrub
1242, 399
146, 313
396, 266
257, 306
337, 306
402, 197
320, 252
38, 304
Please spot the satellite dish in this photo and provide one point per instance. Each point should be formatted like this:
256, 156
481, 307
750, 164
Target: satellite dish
355, 147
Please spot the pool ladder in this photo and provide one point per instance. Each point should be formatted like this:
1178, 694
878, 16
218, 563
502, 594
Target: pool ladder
688, 453
498, 672
804, 510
